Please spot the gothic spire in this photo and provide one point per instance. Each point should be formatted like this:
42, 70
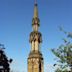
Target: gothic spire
35, 59
35, 10
35, 20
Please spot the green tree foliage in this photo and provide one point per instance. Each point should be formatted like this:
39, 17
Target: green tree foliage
64, 54
60, 70
4, 62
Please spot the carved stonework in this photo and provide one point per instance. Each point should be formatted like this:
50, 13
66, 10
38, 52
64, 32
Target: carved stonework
35, 62
36, 21
35, 36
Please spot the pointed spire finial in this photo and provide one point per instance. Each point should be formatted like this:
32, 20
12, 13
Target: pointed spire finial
35, 10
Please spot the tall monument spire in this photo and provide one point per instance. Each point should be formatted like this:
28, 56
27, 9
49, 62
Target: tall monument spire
35, 59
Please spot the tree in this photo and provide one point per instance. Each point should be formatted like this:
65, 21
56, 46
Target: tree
60, 70
4, 62
64, 54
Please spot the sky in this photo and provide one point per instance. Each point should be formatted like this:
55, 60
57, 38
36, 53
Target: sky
16, 25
